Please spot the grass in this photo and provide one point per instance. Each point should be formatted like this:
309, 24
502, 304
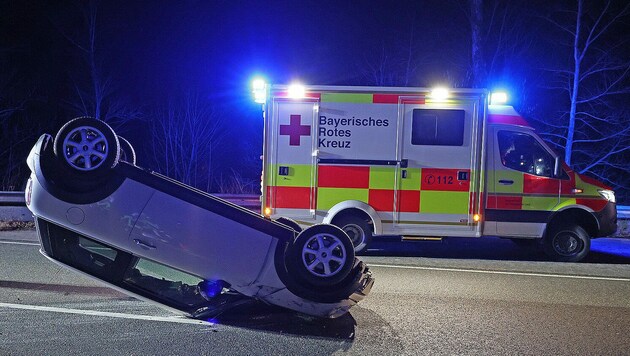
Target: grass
16, 225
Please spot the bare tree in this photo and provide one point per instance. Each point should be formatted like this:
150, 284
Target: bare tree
186, 133
595, 127
395, 61
476, 44
499, 39
96, 92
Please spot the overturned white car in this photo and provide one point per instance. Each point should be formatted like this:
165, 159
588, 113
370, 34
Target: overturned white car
160, 240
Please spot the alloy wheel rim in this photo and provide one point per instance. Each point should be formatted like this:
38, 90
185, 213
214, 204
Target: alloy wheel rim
324, 255
85, 148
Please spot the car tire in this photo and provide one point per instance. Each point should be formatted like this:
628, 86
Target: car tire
87, 147
358, 230
567, 243
127, 153
321, 256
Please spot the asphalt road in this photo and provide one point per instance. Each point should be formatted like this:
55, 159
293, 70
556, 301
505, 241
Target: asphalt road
454, 297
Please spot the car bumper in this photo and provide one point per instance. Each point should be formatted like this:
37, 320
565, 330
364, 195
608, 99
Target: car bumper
607, 220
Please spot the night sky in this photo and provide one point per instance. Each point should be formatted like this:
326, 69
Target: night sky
153, 51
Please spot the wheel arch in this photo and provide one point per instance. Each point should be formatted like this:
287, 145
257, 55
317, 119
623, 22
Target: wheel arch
580, 215
355, 207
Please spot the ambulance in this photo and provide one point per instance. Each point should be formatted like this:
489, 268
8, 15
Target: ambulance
422, 164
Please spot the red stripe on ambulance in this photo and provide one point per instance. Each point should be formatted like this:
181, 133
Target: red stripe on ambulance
540, 185
507, 119
505, 202
289, 197
381, 199
343, 177
596, 204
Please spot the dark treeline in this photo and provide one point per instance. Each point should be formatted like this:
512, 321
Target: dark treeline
172, 76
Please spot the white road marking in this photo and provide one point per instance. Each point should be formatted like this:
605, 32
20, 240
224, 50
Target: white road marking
169, 319
19, 243
531, 274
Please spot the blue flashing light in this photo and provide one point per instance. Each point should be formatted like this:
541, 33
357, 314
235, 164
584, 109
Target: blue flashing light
211, 289
498, 98
259, 88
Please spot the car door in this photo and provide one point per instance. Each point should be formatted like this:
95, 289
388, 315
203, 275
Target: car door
523, 190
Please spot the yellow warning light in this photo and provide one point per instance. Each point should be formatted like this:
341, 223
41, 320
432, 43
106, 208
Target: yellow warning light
476, 218
267, 212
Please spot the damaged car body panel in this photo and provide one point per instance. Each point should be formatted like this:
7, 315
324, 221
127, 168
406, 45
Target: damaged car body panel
160, 240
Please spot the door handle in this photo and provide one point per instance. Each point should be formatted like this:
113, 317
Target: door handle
144, 244
506, 181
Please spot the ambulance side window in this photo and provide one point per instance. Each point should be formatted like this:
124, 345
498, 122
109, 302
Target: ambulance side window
523, 153
437, 127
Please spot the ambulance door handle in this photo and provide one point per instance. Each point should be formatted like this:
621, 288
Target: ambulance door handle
506, 182
404, 174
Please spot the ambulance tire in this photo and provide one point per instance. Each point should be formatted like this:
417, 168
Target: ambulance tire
127, 153
358, 230
567, 243
86, 148
321, 256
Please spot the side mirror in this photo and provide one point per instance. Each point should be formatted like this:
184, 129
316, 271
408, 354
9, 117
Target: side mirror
557, 168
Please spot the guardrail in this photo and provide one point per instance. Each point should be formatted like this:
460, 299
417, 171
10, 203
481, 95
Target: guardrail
12, 199
249, 201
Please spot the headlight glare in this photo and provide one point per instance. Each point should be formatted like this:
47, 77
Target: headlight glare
607, 194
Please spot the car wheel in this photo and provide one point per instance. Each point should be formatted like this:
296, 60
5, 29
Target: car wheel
358, 230
127, 153
321, 255
87, 146
290, 223
567, 243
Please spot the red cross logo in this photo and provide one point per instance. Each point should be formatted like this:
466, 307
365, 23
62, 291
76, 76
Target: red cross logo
295, 130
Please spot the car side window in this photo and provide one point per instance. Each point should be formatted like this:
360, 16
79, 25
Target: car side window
523, 153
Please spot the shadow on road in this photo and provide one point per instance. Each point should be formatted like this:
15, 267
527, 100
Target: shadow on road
604, 250
259, 316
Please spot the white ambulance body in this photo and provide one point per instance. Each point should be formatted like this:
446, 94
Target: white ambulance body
416, 163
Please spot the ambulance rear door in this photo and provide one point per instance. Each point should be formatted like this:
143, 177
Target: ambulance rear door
440, 179
291, 166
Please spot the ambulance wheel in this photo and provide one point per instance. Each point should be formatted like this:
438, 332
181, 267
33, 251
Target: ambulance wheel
321, 255
567, 243
87, 147
358, 230
127, 153
290, 223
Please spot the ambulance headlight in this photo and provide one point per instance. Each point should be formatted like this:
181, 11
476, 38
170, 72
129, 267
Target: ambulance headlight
498, 98
258, 88
607, 194
296, 91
